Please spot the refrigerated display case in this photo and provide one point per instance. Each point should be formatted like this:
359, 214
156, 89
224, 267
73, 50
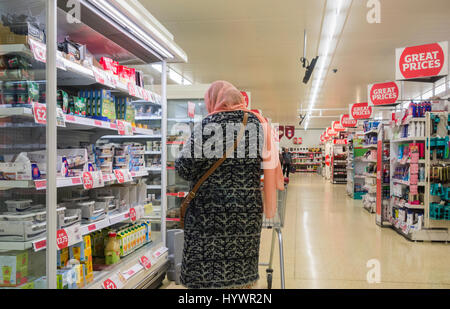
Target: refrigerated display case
75, 208
185, 109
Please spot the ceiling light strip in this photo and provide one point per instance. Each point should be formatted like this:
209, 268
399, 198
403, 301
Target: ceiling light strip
332, 27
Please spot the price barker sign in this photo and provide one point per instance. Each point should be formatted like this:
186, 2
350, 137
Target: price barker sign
88, 181
39, 113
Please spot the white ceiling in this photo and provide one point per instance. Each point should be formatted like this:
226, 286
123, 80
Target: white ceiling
257, 44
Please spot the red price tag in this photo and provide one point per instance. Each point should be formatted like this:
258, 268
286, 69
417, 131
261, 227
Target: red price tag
76, 181
132, 89
133, 215
62, 240
39, 50
98, 123
145, 262
119, 176
181, 194
41, 244
113, 126
121, 127
40, 113
70, 118
108, 284
88, 181
91, 227
40, 184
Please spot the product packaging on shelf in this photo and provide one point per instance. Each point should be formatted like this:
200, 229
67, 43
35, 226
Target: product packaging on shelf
14, 268
15, 30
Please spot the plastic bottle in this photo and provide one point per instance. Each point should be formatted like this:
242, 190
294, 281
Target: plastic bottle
112, 249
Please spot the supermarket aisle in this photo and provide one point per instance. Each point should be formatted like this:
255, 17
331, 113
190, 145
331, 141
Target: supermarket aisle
329, 239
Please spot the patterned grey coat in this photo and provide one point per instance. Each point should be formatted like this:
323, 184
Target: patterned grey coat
223, 222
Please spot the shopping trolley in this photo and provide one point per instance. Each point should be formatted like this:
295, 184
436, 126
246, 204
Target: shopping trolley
276, 224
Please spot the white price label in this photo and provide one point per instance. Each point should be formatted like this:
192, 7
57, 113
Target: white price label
123, 175
60, 118
116, 281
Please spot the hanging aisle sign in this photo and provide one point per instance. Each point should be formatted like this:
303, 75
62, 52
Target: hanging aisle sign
384, 93
348, 122
361, 111
280, 131
423, 61
337, 127
289, 131
331, 132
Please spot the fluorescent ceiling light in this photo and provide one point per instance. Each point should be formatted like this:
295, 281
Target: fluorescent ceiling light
130, 26
332, 27
173, 75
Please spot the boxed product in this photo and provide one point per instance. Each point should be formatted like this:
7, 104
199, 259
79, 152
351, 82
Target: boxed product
109, 65
62, 258
126, 74
15, 30
13, 268
74, 51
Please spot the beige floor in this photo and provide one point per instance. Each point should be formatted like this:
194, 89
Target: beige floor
329, 238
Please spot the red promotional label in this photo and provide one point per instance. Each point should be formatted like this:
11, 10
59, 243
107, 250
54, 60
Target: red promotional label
384, 93
289, 131
76, 181
119, 176
91, 227
340, 142
422, 61
120, 127
88, 181
133, 214
280, 131
348, 122
300, 141
108, 284
337, 127
62, 240
361, 111
327, 160
145, 262
331, 132
98, 123
40, 113
70, 118
40, 184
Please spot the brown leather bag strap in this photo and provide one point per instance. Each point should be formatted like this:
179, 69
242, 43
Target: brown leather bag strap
219, 162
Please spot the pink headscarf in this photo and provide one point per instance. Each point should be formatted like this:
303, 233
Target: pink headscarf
224, 97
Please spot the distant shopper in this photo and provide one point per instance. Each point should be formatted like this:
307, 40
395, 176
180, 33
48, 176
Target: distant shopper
287, 162
222, 222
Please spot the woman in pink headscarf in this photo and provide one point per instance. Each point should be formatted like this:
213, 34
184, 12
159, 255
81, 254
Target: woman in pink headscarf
223, 221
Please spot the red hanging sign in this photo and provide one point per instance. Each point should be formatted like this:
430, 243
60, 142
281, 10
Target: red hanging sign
422, 61
281, 131
337, 127
191, 110
300, 141
384, 93
348, 122
246, 96
361, 111
289, 131
331, 132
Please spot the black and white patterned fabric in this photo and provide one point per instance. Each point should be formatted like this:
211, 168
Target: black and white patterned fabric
223, 222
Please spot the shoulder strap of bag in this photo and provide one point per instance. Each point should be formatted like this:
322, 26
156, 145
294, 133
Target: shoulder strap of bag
219, 162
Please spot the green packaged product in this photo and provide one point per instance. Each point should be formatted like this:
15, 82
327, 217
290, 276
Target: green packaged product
129, 113
62, 99
79, 106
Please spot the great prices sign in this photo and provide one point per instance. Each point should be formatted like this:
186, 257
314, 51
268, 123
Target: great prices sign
384, 93
348, 122
337, 127
361, 111
331, 132
421, 61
